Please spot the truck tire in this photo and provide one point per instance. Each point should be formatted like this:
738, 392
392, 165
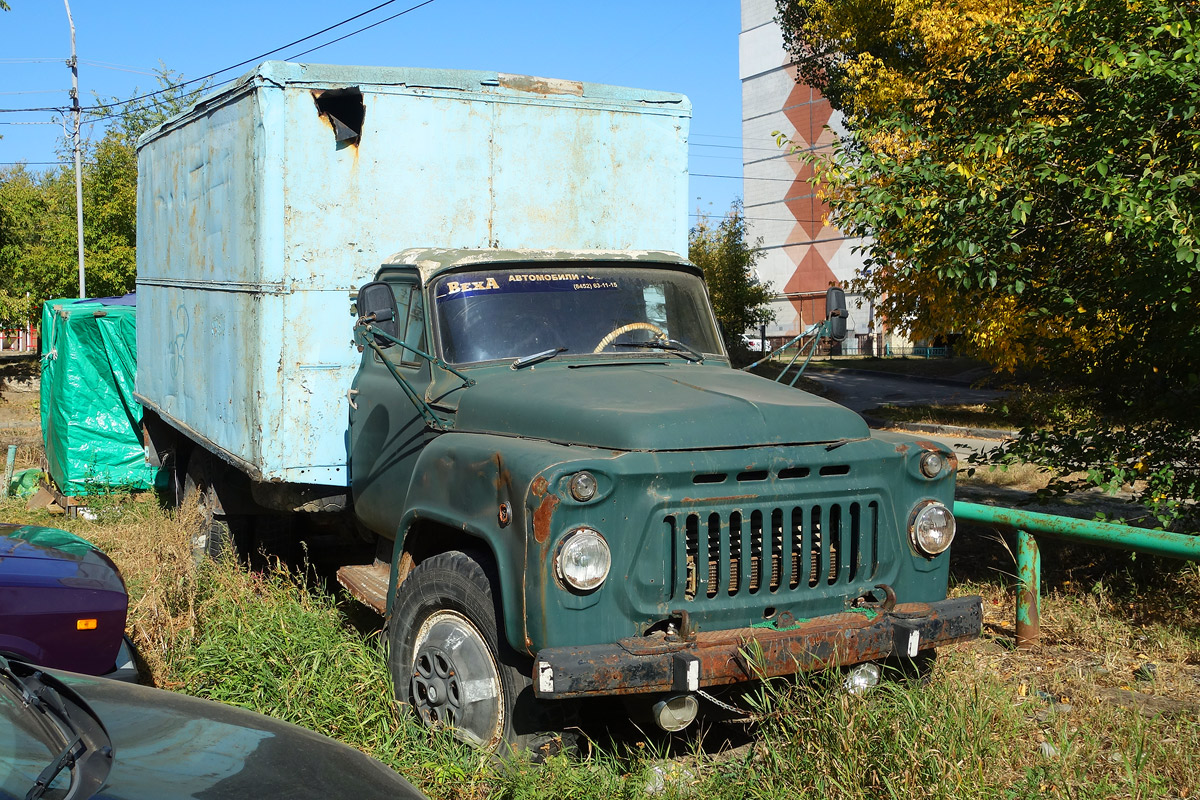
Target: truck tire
450, 665
212, 532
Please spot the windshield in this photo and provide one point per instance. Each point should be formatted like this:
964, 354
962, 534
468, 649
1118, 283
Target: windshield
517, 312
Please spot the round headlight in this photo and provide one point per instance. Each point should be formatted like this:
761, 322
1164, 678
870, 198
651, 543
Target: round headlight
932, 528
932, 464
583, 486
583, 559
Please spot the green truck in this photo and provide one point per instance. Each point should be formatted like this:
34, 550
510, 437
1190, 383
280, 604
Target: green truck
572, 493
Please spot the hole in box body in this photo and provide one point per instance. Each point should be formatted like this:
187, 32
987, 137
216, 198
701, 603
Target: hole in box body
345, 112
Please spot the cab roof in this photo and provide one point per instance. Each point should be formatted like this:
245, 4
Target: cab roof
434, 261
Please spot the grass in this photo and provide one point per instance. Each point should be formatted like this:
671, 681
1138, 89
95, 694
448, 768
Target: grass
269, 642
1080, 716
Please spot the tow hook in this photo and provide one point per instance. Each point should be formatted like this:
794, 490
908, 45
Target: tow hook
683, 632
886, 604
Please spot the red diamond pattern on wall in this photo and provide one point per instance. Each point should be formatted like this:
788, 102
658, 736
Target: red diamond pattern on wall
809, 113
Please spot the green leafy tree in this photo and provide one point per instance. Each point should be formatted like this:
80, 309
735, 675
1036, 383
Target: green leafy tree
722, 250
38, 256
1029, 175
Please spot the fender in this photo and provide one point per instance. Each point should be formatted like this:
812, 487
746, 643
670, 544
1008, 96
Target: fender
461, 482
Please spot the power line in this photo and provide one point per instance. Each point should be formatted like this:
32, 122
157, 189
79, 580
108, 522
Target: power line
739, 147
261, 56
255, 59
740, 177
115, 67
360, 30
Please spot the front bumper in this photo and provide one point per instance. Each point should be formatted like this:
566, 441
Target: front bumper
717, 658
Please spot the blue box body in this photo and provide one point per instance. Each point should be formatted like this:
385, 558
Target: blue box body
256, 226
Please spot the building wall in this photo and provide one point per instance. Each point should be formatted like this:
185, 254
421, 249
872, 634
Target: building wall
803, 253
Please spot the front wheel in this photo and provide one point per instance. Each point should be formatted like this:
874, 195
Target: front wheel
450, 665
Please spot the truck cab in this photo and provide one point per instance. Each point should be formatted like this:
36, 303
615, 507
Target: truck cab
578, 497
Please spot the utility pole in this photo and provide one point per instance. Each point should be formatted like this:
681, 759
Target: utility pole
75, 110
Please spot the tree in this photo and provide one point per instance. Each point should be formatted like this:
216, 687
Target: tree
38, 258
1029, 173
740, 301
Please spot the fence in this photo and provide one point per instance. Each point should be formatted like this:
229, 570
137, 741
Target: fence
863, 345
19, 340
1030, 524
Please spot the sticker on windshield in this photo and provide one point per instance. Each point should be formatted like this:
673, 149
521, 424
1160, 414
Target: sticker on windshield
476, 284
458, 287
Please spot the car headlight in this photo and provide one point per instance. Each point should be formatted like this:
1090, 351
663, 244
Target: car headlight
931, 528
583, 559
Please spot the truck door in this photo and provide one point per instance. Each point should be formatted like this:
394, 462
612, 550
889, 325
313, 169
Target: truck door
387, 432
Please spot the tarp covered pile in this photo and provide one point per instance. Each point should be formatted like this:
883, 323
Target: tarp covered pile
91, 424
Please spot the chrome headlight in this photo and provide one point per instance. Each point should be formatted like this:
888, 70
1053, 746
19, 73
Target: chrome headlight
931, 528
583, 559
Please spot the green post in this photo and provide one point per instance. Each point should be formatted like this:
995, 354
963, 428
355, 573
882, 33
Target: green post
1029, 590
8, 469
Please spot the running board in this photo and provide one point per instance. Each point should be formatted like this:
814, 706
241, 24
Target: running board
367, 583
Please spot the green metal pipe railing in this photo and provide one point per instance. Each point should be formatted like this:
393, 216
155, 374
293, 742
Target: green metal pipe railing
1031, 524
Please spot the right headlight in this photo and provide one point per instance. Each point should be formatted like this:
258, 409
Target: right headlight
583, 559
931, 528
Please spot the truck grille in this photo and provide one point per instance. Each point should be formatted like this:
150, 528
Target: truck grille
772, 550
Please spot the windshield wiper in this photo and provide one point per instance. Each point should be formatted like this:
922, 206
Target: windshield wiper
88, 763
670, 345
65, 760
537, 358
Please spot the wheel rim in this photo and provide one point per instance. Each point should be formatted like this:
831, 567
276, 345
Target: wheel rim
455, 680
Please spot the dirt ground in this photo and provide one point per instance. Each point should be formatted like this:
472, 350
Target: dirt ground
19, 410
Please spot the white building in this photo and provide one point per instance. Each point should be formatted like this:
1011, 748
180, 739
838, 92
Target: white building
803, 254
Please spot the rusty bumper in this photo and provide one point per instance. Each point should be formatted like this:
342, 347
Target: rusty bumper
716, 658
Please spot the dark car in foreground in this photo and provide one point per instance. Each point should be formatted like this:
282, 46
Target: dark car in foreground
62, 603
74, 736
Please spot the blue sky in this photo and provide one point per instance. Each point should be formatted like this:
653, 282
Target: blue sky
673, 46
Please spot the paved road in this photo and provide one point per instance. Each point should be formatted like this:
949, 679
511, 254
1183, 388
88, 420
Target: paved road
862, 391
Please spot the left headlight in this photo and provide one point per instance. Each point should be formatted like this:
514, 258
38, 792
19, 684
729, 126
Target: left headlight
583, 559
931, 528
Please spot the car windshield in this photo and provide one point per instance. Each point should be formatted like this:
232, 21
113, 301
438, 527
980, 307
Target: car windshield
603, 308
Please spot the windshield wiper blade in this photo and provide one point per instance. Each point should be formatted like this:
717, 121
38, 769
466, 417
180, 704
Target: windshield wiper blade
65, 760
670, 345
537, 358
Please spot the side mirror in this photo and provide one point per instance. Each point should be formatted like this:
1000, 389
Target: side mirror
835, 313
377, 305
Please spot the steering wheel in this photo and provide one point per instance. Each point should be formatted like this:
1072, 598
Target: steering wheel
633, 326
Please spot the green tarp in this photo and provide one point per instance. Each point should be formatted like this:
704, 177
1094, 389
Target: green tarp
91, 424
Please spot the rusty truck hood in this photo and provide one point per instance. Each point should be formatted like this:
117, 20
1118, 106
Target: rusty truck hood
651, 407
